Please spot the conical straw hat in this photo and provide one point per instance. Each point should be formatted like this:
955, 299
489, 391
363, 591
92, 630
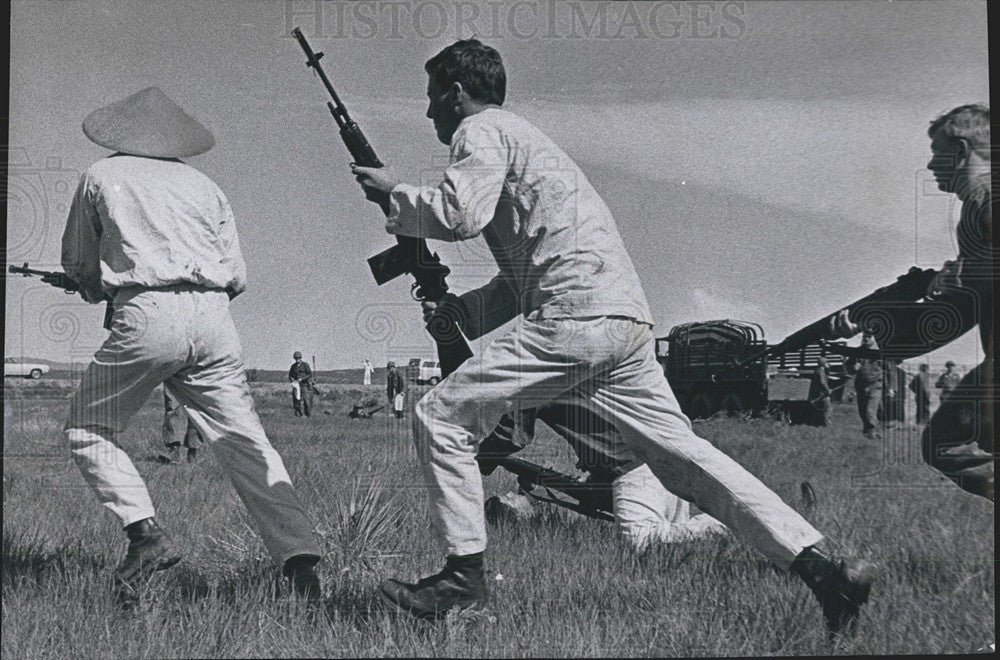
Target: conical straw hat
148, 123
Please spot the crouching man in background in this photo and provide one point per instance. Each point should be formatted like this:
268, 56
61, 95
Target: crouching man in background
644, 511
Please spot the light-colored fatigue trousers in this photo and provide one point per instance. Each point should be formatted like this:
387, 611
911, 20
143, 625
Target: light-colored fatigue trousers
184, 337
646, 512
610, 361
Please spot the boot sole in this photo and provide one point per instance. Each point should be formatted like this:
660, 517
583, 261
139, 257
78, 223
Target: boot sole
431, 615
146, 571
852, 599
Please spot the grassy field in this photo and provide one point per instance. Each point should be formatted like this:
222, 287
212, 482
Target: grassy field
562, 585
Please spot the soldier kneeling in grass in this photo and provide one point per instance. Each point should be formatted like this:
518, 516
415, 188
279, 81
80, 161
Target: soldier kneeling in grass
644, 511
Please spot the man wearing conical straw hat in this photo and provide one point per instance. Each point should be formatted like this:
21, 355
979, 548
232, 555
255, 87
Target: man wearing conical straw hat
158, 237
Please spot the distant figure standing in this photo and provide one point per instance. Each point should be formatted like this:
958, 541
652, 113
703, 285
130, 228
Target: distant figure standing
819, 392
300, 375
948, 381
395, 385
868, 386
894, 383
368, 372
921, 388
177, 432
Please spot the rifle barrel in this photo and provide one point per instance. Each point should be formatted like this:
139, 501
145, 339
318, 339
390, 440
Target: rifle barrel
24, 270
339, 111
909, 287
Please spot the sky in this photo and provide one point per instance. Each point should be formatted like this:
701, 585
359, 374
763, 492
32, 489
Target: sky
764, 161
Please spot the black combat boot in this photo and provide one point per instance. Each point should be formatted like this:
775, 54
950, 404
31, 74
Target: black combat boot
840, 586
301, 573
461, 586
149, 550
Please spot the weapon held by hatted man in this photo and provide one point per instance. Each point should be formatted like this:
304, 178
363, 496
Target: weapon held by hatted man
60, 281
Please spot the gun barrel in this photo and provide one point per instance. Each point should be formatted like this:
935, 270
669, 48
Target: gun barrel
529, 474
24, 270
907, 288
338, 110
412, 254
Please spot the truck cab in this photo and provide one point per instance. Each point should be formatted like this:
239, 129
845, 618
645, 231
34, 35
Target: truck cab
699, 361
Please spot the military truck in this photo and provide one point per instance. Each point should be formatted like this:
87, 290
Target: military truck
698, 360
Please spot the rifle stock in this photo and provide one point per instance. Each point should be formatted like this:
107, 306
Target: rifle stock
410, 254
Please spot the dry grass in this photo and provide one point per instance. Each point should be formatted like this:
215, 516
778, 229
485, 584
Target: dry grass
563, 585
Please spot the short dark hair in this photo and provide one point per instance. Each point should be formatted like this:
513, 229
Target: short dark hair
473, 64
971, 122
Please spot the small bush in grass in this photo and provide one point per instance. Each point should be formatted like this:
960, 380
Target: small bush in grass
369, 519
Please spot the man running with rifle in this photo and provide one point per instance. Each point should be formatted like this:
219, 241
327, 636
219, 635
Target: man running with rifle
583, 329
958, 440
158, 238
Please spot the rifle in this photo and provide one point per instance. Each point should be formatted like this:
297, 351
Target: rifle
410, 254
362, 412
589, 499
62, 281
907, 288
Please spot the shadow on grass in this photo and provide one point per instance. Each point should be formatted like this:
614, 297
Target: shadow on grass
27, 560
261, 583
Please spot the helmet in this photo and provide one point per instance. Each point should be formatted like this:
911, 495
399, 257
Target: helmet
949, 363
389, 364
297, 354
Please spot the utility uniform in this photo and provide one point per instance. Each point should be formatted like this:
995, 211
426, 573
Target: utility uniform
583, 330
159, 237
868, 386
395, 387
178, 434
958, 438
300, 375
819, 394
921, 388
947, 382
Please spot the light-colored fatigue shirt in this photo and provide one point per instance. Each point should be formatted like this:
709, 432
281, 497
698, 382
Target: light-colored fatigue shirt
149, 222
555, 240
